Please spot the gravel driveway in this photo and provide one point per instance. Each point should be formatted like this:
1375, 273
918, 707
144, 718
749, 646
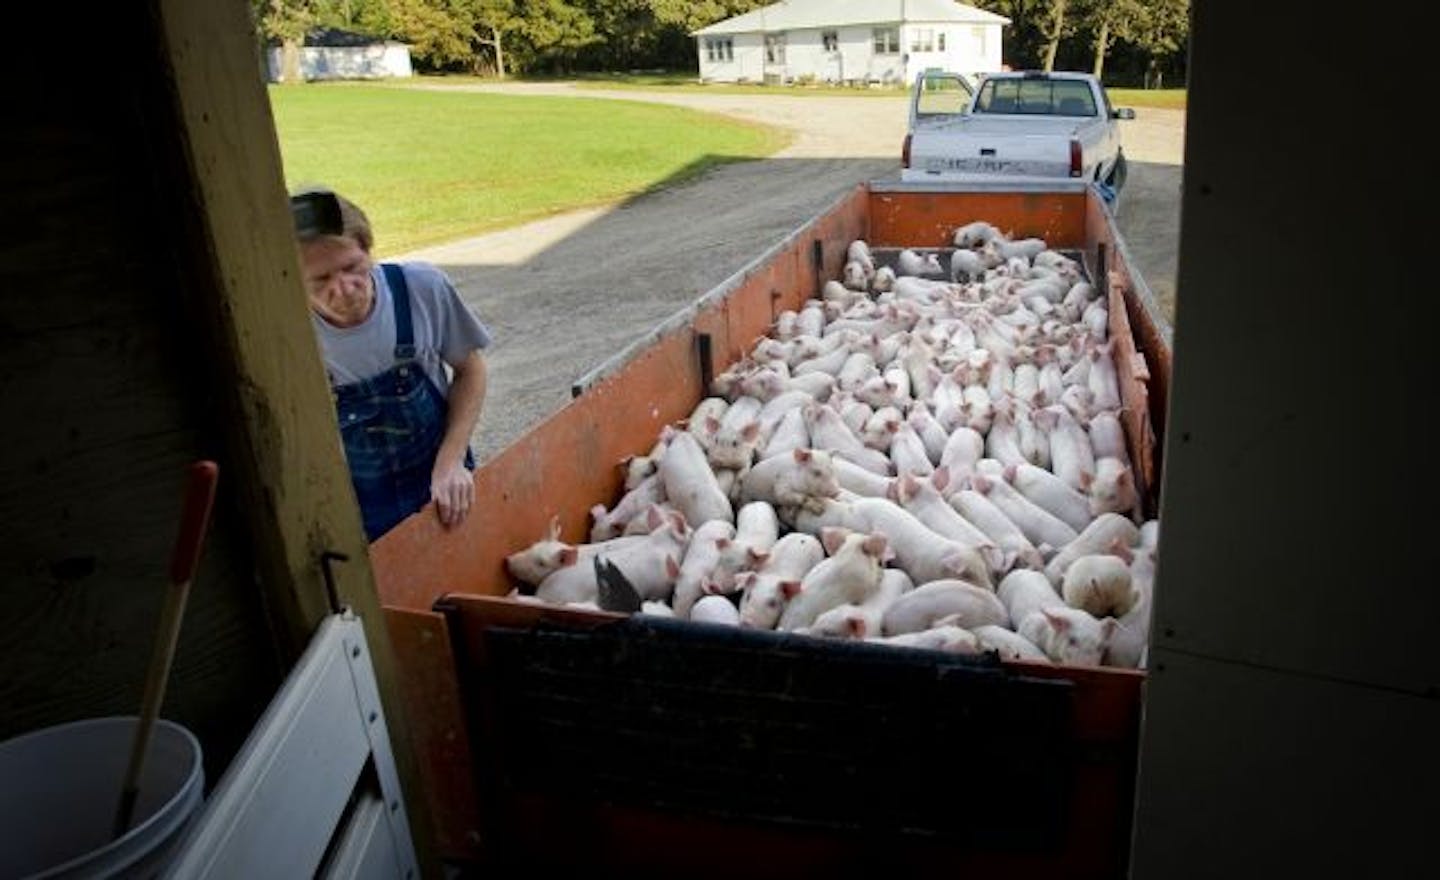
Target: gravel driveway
563, 294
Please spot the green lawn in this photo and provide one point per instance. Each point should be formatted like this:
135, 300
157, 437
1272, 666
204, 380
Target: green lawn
1173, 99
429, 166
685, 82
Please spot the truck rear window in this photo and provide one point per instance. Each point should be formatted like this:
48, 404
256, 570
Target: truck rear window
1036, 97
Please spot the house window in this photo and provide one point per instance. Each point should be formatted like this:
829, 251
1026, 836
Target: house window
887, 41
831, 40
720, 48
774, 48
922, 40
940, 41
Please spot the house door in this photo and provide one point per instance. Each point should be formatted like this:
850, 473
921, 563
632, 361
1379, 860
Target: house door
832, 66
775, 71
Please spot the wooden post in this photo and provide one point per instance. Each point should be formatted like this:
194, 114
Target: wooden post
220, 161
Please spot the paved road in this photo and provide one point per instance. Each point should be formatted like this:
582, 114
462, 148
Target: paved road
563, 294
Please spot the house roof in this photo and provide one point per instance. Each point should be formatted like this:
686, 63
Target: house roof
335, 37
800, 14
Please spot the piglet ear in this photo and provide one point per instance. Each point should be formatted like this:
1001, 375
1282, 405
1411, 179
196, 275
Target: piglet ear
831, 538
981, 483
555, 528
654, 517
677, 519
802, 455
750, 433
878, 547
940, 478
722, 543
757, 557
672, 568
567, 556
1010, 471
789, 589
1060, 622
1086, 479
712, 424
857, 626
1119, 548
1124, 478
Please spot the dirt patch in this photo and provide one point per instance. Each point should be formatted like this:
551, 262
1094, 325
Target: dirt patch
564, 294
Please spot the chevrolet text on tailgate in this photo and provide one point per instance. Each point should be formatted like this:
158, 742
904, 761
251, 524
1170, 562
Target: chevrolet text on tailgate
1014, 128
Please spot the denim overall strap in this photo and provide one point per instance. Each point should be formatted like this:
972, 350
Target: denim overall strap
404, 328
392, 425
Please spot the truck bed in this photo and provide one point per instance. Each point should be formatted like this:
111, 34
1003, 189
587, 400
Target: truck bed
475, 716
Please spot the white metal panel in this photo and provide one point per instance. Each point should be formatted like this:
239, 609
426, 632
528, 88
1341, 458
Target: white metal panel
278, 806
366, 849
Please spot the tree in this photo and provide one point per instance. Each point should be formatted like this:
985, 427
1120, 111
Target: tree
439, 31
370, 17
1053, 27
1162, 30
497, 17
285, 21
557, 30
1109, 20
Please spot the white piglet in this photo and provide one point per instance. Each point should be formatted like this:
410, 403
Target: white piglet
715, 609
690, 483
803, 478
1009, 645
1112, 488
851, 575
1099, 584
698, 566
756, 531
969, 606
765, 592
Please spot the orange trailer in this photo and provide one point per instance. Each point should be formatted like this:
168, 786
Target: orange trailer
549, 735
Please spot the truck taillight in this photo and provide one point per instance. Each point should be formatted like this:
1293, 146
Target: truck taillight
1074, 158
905, 153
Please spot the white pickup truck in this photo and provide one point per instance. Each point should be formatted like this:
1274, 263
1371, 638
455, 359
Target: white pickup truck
1014, 128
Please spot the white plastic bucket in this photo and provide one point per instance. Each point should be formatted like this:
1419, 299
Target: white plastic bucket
59, 788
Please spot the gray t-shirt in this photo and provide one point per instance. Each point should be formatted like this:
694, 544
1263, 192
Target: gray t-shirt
444, 328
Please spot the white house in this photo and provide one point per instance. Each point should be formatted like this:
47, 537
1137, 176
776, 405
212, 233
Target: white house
885, 41
328, 53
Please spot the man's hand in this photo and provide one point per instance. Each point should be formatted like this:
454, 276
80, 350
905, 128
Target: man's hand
453, 488
451, 485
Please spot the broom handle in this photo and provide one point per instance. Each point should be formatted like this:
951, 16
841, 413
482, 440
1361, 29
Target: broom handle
194, 519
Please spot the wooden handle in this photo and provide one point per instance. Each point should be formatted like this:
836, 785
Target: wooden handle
194, 519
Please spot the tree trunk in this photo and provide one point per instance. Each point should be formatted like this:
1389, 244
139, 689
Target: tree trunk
290, 61
1058, 25
499, 53
1102, 45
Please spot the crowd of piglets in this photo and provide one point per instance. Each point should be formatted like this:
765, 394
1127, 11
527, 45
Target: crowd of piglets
928, 456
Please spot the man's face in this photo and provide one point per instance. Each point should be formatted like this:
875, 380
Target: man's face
337, 279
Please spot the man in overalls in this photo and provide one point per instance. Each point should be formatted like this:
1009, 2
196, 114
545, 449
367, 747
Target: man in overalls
388, 334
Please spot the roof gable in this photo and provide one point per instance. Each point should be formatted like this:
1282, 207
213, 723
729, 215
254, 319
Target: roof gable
803, 14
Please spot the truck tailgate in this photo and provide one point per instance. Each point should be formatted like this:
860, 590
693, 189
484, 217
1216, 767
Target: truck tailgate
975, 146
